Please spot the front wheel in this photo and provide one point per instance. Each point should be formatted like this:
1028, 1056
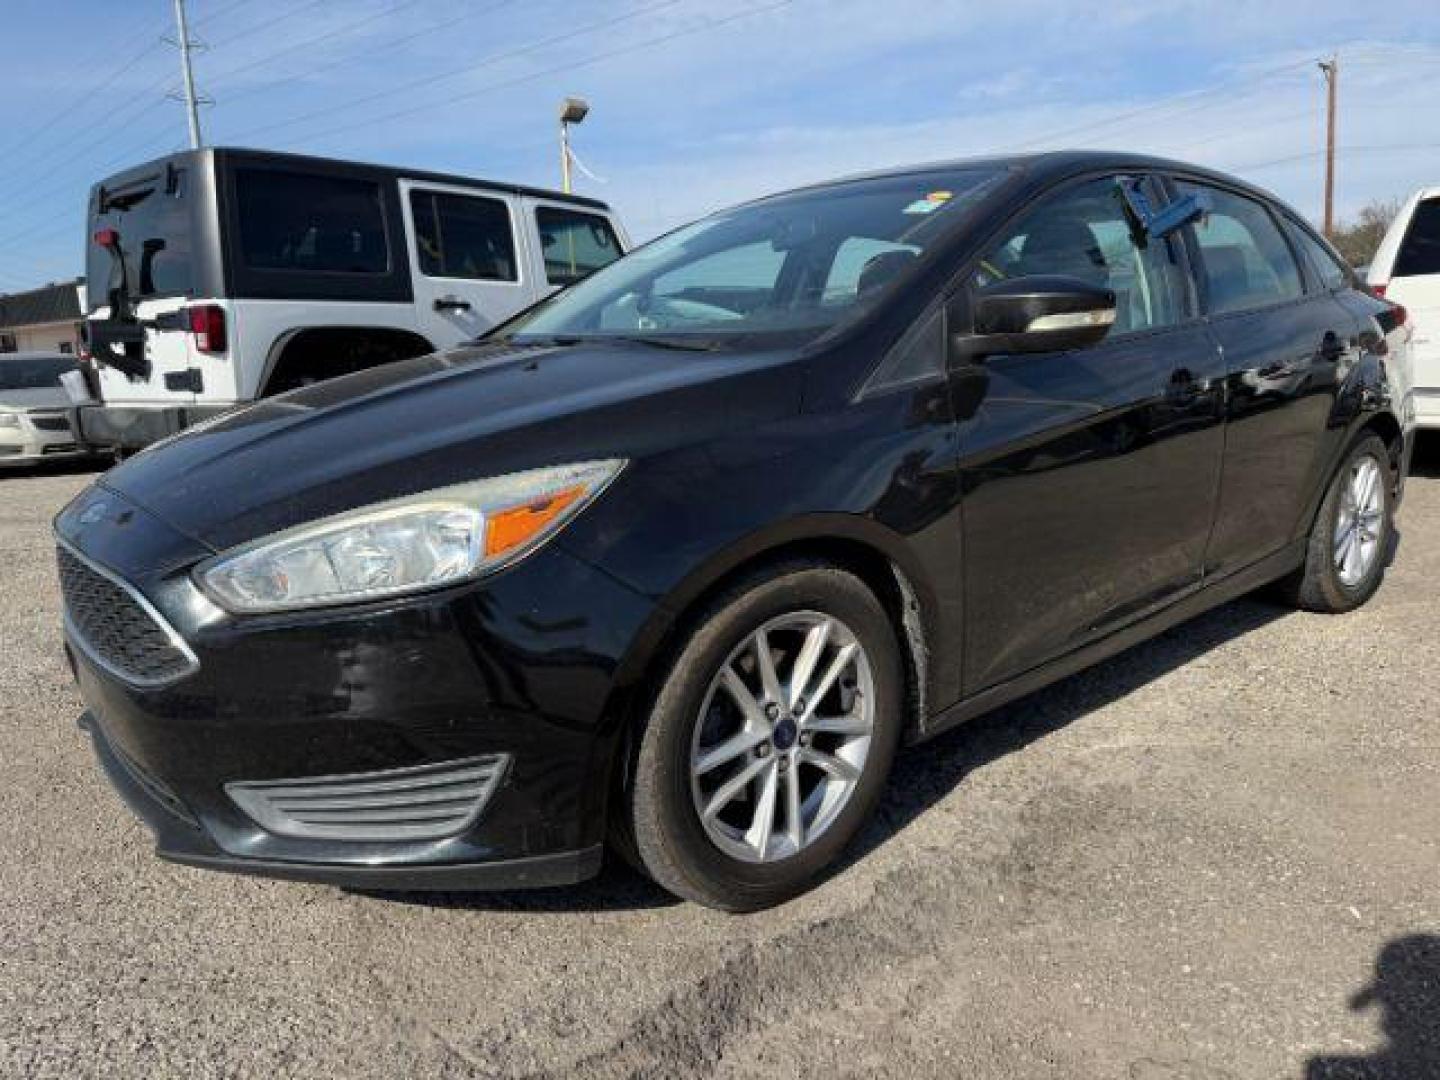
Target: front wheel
1350, 540
770, 740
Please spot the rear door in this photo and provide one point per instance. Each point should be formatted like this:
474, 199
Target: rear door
1287, 343
467, 259
1415, 283
570, 242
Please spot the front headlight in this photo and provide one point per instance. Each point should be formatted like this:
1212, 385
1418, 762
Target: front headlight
9, 420
405, 545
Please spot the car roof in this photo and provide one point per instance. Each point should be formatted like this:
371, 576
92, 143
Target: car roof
1053, 165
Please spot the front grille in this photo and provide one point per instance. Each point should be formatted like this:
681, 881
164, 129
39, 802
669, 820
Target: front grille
423, 803
51, 423
117, 628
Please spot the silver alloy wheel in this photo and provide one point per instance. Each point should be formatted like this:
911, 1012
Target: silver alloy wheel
782, 737
1358, 522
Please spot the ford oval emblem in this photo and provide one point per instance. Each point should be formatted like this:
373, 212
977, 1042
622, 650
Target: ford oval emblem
94, 513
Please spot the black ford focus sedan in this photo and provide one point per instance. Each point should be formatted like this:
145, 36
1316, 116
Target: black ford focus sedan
674, 561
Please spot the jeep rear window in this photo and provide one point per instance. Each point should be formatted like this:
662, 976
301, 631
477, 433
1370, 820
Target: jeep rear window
310, 222
575, 245
152, 219
1420, 251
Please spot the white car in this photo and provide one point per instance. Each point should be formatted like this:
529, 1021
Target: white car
1406, 269
34, 409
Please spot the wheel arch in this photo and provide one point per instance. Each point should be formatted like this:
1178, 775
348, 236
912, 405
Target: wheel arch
294, 342
874, 554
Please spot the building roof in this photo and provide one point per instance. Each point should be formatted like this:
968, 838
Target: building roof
48, 304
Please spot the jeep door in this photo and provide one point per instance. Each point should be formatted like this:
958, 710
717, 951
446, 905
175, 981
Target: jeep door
467, 261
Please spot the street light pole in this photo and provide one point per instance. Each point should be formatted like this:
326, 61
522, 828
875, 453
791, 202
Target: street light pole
572, 111
188, 76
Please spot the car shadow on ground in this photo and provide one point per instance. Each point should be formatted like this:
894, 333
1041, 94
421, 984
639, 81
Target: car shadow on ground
924, 774
1407, 990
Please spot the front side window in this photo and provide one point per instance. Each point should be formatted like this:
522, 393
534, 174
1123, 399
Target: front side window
1247, 263
1420, 250
794, 265
463, 236
574, 244
311, 222
1084, 233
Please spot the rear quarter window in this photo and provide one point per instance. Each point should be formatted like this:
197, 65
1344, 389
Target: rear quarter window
574, 244
1420, 250
311, 223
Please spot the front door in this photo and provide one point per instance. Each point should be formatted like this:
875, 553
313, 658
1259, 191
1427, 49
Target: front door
465, 259
1089, 476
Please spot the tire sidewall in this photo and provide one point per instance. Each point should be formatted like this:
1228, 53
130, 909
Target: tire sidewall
670, 837
1344, 597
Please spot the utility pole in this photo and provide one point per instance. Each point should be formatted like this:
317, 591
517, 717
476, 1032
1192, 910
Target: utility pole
1331, 68
184, 43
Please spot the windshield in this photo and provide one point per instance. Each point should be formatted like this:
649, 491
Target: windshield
152, 219
802, 262
33, 372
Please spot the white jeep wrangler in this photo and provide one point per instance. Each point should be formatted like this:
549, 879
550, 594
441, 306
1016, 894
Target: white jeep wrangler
220, 276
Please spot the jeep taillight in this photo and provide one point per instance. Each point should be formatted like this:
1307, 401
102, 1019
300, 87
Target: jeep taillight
207, 323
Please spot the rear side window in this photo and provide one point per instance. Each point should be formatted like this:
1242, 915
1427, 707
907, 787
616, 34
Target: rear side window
1420, 250
463, 236
309, 222
1333, 274
574, 244
1247, 262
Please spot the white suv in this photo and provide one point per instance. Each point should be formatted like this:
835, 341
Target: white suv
218, 276
1406, 269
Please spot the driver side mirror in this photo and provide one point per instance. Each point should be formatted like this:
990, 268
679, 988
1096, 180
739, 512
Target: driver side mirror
1037, 314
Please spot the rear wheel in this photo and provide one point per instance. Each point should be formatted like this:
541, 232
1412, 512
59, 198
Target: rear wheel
1350, 540
770, 740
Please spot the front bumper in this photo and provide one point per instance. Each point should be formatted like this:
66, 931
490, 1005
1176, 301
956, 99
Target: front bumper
521, 665
29, 444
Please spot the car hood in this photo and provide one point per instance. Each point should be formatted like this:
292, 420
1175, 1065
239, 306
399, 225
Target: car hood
469, 413
38, 398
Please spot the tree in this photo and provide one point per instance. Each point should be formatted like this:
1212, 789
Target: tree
1358, 239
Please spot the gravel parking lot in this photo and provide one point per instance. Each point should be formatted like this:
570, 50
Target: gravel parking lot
1212, 857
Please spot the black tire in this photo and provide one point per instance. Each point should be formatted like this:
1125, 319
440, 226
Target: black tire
1318, 585
663, 822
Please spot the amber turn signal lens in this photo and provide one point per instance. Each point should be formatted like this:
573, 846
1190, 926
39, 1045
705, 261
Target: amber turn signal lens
513, 527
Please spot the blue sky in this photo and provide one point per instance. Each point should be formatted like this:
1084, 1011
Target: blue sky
700, 103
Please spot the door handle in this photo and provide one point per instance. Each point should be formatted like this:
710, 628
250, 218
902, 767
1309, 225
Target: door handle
451, 303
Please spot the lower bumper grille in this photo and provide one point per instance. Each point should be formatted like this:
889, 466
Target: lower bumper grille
51, 423
423, 803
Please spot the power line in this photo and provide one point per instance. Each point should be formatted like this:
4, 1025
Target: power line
586, 62
1162, 104
348, 28
466, 70
251, 31
73, 104
1377, 148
